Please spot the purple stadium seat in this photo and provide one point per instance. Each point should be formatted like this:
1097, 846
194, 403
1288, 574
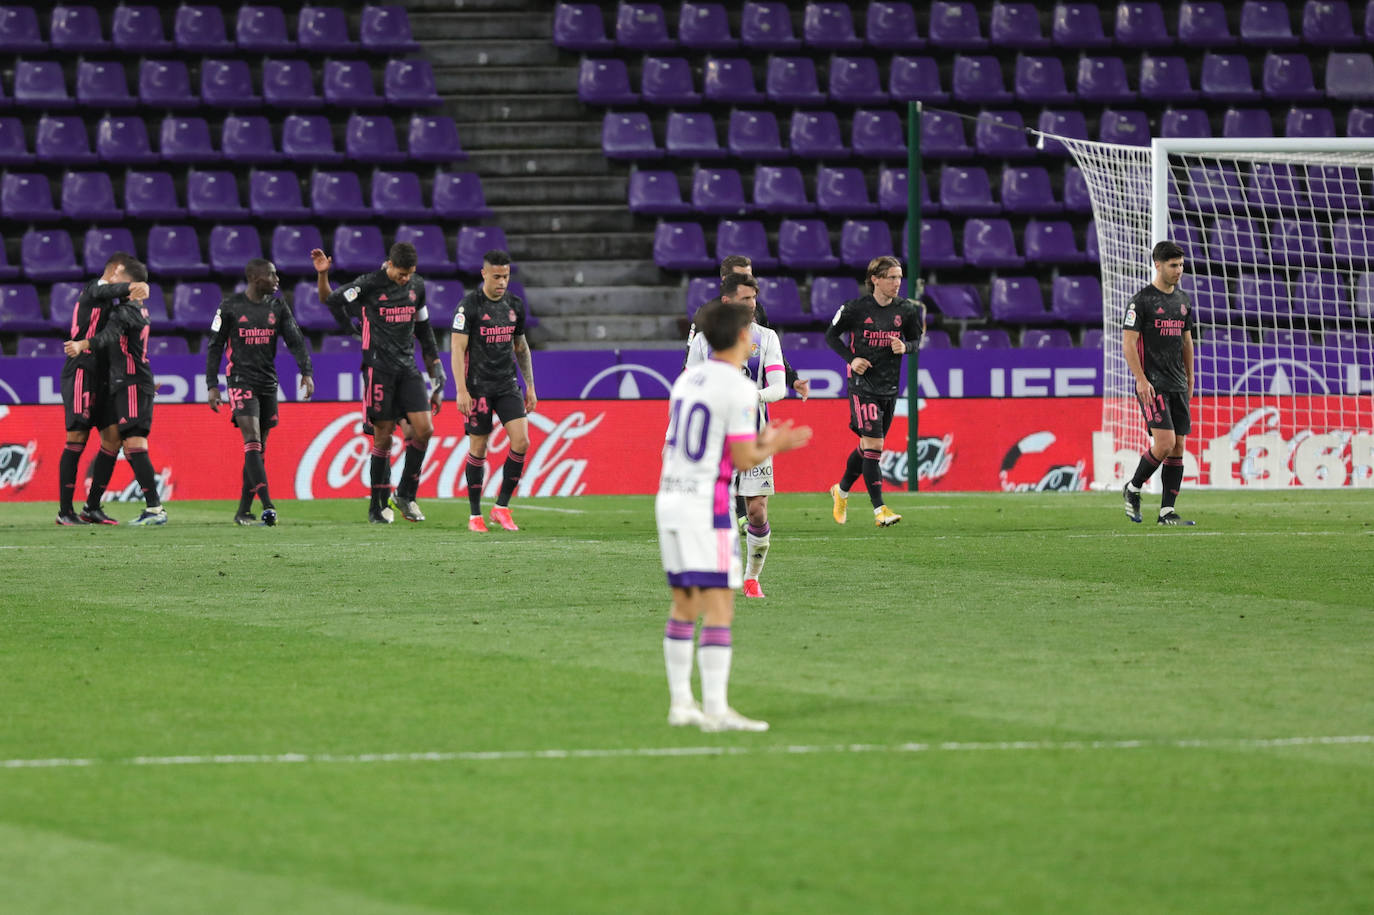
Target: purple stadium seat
372, 139
783, 301
309, 138
1165, 79
151, 195
1296, 243
754, 135
1078, 25
1211, 295
475, 241
984, 338
1090, 249
704, 27
700, 290
767, 27
1027, 189
200, 29
41, 84
579, 27
227, 84
966, 191
396, 195
14, 148
855, 81
138, 29
642, 27
1275, 187
1326, 23
654, 193
410, 83
248, 140
937, 244
792, 81
1001, 135
291, 84
628, 136
1051, 242
604, 82
1321, 294
1130, 128
194, 306
1262, 294
337, 195
1140, 25
1332, 187
348, 83
458, 195
124, 140
27, 198
19, 30
954, 26
816, 135
892, 26
1350, 76
324, 30
780, 189
1310, 122
89, 195
77, 28
747, 237
804, 244
1041, 79
1185, 122
667, 81
434, 138
1288, 77
1364, 296
167, 346
431, 246
990, 243
339, 343
291, 247
681, 246
1076, 298
843, 190
386, 30
978, 80
20, 311
102, 84
62, 139
1076, 199
1214, 189
1063, 123
313, 315
262, 29
959, 301
101, 243
829, 26
1016, 25
730, 80
276, 195
1352, 243
1358, 123
1247, 122
1092, 337
1233, 240
942, 135
828, 293
1017, 300
1226, 78
935, 339
1265, 24
1046, 338
877, 135
794, 340
861, 240
33, 347
893, 192
358, 249
1103, 79
915, 79
1202, 24
213, 195
691, 135
165, 84
47, 254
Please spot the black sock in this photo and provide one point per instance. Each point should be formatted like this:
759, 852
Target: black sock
1145, 469
257, 474
873, 477
510, 477
476, 469
853, 469
1171, 477
142, 466
381, 478
410, 476
102, 466
67, 468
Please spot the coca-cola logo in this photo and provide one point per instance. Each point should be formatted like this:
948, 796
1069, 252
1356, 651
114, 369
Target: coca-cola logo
1017, 475
934, 456
132, 492
18, 463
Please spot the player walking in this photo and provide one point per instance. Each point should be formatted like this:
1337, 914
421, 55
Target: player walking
712, 427
487, 345
390, 304
881, 327
1157, 336
248, 324
764, 368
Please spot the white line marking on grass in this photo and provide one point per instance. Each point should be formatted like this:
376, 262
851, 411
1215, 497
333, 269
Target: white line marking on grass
526, 507
948, 746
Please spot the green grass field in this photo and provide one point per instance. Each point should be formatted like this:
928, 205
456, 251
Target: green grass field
1152, 674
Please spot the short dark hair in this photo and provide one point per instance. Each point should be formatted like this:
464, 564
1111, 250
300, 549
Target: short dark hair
730, 284
136, 270
728, 265
1166, 251
403, 255
496, 258
721, 322
258, 266
119, 259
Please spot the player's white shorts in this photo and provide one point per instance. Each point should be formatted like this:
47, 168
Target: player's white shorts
757, 481
701, 557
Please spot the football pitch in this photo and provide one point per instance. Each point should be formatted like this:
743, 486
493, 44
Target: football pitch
1006, 703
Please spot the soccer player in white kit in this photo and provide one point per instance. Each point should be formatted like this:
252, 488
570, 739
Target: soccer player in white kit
712, 431
764, 367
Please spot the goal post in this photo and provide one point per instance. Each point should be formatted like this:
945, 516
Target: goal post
1278, 237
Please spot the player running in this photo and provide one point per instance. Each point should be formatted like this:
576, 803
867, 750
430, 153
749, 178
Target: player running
712, 427
1157, 336
487, 345
764, 368
881, 327
390, 304
248, 324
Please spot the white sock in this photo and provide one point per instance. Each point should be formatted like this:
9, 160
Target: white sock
1132, 487
715, 677
756, 555
677, 658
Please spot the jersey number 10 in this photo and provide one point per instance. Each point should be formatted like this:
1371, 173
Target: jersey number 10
691, 431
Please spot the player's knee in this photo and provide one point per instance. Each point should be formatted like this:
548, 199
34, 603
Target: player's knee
520, 443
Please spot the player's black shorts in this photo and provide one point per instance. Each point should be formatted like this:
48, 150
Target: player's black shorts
1169, 410
391, 395
258, 402
869, 416
85, 396
133, 410
509, 407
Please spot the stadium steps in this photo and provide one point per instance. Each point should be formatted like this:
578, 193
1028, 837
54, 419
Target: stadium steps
556, 274
520, 52
522, 220
578, 163
520, 191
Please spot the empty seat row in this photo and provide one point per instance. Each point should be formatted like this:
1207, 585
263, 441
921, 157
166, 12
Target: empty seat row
957, 26
305, 139
1263, 186
1242, 241
225, 83
201, 29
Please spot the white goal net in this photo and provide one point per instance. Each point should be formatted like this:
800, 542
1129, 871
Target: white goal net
1279, 265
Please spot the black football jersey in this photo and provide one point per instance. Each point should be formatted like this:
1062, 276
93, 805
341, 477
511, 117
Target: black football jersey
391, 318
1161, 318
248, 331
871, 328
125, 343
491, 328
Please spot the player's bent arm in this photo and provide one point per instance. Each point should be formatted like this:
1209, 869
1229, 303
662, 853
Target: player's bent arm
776, 389
525, 361
1188, 359
834, 335
747, 452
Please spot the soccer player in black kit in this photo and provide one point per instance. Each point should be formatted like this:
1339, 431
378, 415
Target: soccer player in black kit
389, 303
879, 326
85, 388
488, 343
1157, 336
247, 324
125, 341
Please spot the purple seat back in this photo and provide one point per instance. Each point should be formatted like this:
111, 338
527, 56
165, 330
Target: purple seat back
27, 198
942, 135
1326, 23
323, 29
165, 84
77, 28
1051, 242
291, 84
200, 29
151, 195
990, 243
276, 195
187, 140
40, 84
978, 80
1001, 135
1027, 189
1185, 122
667, 81
767, 27
1352, 243
579, 27
248, 140
1247, 122
966, 190
877, 134
780, 296
747, 237
1041, 79
1064, 123
1202, 24
692, 135
1078, 25
386, 29
730, 79
937, 244
816, 135
62, 139
349, 83
1141, 25
843, 190
1310, 122
754, 135
138, 28
1232, 240
458, 195
410, 82
19, 30
308, 138
718, 191
1265, 23
681, 246
474, 242
213, 195
1076, 298
988, 338
431, 247
792, 81
313, 315
125, 140
1016, 25
102, 84
700, 290
1103, 79
604, 81
396, 195
892, 26
643, 27
89, 195
338, 195
704, 27
1131, 128
1016, 299
954, 25
370, 138
1350, 76
291, 247
828, 293
434, 138
956, 300
804, 244
262, 29
1046, 338
1288, 77
48, 254
861, 240
915, 79
628, 136
1166, 79
20, 311
358, 248
780, 189
194, 306
830, 26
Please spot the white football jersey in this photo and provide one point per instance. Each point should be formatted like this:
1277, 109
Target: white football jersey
710, 405
765, 359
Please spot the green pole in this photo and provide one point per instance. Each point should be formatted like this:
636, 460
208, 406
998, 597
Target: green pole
914, 284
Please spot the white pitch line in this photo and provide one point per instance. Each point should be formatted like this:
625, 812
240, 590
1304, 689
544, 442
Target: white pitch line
949, 746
